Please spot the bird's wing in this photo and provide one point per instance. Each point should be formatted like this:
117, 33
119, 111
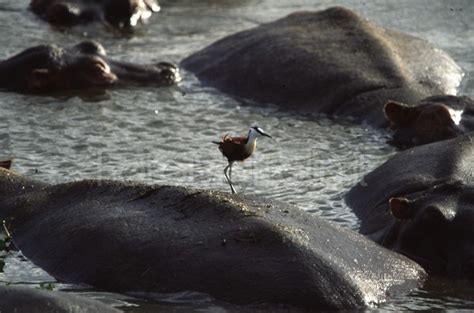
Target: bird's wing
233, 148
234, 140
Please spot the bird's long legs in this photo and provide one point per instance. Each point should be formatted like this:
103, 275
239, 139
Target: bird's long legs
227, 177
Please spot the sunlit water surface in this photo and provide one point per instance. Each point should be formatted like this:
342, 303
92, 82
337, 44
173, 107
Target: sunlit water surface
163, 135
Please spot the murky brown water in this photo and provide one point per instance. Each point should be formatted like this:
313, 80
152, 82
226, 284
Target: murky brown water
163, 135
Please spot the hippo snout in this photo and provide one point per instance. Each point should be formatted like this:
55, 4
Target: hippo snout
169, 72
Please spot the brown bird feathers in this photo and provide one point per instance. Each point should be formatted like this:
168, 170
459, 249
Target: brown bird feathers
236, 148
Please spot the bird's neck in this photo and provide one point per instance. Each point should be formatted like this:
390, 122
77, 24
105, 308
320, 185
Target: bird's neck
251, 140
251, 137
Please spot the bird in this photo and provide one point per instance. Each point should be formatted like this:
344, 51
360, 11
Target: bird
239, 149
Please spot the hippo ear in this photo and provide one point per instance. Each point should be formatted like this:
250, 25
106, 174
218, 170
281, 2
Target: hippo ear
398, 113
401, 208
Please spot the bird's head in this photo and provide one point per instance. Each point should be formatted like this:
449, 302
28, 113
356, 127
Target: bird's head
256, 131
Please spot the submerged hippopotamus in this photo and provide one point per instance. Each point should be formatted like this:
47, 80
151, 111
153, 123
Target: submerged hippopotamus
29, 300
117, 13
122, 236
431, 119
49, 68
332, 62
420, 203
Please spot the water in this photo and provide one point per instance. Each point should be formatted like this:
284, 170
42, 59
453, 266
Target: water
163, 135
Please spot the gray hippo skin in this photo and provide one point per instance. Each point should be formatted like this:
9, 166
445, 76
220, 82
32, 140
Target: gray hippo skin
432, 119
332, 62
49, 68
122, 237
123, 14
421, 203
29, 300
6, 164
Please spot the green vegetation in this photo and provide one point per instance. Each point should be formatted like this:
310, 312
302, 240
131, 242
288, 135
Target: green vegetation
5, 239
47, 286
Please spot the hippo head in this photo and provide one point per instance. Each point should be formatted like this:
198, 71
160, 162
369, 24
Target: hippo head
127, 13
119, 13
75, 72
87, 71
161, 73
65, 13
49, 68
424, 123
436, 232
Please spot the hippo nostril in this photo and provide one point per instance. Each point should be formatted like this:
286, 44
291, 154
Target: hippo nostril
169, 72
170, 76
167, 75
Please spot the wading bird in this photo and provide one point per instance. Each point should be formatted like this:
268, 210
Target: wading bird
239, 149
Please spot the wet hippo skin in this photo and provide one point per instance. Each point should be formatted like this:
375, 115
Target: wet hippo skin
30, 300
6, 164
117, 13
331, 61
122, 236
49, 68
420, 203
432, 119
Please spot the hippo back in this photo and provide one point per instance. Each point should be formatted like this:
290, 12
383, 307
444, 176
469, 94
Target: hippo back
446, 164
12, 185
420, 203
331, 61
129, 237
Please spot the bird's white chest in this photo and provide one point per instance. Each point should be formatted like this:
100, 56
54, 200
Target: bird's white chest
250, 146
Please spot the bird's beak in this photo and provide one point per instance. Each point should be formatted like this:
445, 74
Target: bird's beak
266, 135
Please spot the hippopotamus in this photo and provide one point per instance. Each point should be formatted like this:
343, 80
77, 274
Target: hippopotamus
332, 61
123, 14
431, 119
124, 236
420, 204
50, 68
6, 164
29, 300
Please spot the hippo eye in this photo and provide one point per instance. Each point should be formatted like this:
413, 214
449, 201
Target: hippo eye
98, 67
167, 65
95, 71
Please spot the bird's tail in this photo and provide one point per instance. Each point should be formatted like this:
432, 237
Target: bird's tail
216, 142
